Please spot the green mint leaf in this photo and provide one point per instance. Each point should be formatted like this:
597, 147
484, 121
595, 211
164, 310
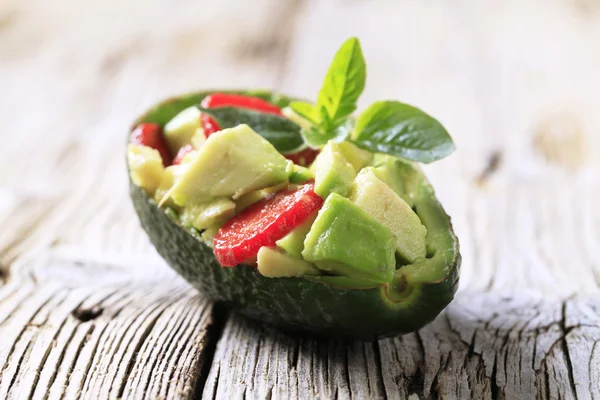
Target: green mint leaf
306, 110
282, 133
342, 132
318, 138
402, 130
315, 137
344, 82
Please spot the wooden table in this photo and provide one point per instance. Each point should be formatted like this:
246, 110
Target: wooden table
88, 309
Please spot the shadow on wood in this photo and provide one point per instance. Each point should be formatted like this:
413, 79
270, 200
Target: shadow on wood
484, 346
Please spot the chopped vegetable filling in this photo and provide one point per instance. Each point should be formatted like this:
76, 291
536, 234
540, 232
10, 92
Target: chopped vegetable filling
297, 190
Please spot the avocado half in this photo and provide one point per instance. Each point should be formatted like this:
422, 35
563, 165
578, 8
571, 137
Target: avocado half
324, 306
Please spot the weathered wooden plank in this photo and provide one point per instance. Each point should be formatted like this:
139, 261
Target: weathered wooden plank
88, 309
91, 330
485, 346
88, 117
528, 227
488, 71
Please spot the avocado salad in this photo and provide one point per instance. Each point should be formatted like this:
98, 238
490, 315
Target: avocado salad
300, 214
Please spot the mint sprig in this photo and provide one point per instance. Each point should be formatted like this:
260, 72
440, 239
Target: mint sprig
389, 127
402, 130
343, 85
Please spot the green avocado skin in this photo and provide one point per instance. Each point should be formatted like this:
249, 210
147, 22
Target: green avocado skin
304, 305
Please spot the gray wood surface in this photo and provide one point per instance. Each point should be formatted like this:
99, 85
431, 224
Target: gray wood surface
89, 310
485, 346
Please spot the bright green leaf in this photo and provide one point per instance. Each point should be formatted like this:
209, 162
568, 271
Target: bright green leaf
342, 132
315, 137
402, 130
306, 110
344, 82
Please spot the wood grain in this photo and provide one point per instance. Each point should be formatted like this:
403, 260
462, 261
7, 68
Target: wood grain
90, 330
485, 346
88, 309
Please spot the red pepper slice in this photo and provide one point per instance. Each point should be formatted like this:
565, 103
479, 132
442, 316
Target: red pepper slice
263, 223
181, 153
214, 100
303, 157
150, 135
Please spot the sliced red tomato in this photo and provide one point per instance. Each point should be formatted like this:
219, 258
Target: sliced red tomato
263, 223
181, 153
150, 135
214, 100
209, 125
303, 157
241, 101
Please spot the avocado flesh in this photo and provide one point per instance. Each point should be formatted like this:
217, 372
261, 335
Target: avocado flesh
400, 175
145, 167
301, 174
356, 156
203, 216
231, 162
169, 177
293, 242
248, 199
275, 264
322, 305
383, 204
209, 233
346, 240
333, 173
182, 128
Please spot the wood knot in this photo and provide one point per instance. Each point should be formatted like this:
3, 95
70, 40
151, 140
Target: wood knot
87, 314
587, 7
7, 20
257, 49
113, 62
494, 162
561, 140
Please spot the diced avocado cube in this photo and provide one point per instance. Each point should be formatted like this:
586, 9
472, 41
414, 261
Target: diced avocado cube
198, 139
333, 173
356, 156
293, 242
248, 199
202, 216
145, 167
383, 204
231, 162
274, 264
346, 240
168, 180
301, 174
188, 157
400, 175
209, 234
180, 130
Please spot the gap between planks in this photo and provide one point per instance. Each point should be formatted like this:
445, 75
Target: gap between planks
484, 346
69, 331
149, 335
490, 356
157, 337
